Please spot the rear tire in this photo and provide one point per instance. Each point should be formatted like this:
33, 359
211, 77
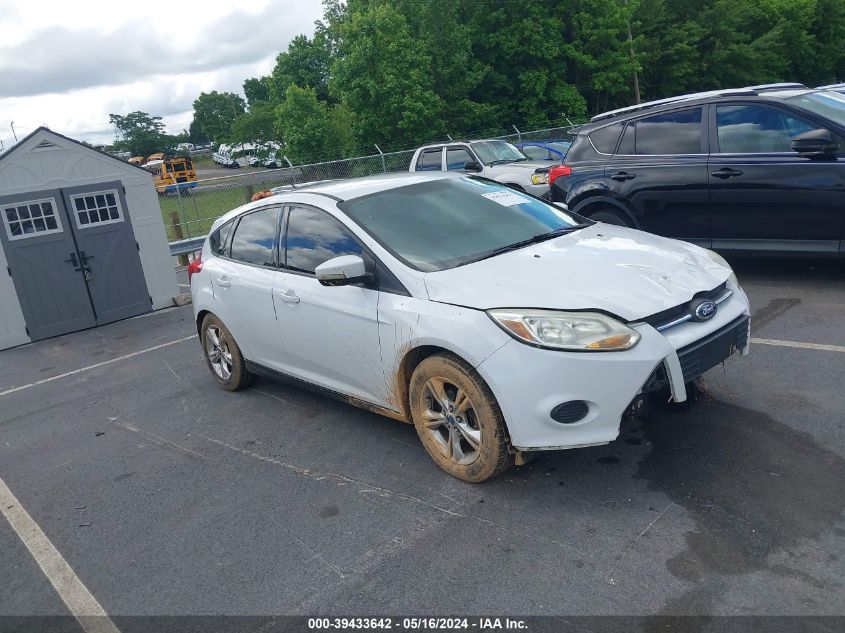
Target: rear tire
609, 215
223, 356
458, 419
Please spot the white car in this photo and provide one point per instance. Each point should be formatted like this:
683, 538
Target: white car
495, 322
494, 159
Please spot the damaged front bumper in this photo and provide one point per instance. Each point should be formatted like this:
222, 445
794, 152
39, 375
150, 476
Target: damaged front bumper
555, 400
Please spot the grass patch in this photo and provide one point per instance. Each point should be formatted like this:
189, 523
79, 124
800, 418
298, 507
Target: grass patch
196, 210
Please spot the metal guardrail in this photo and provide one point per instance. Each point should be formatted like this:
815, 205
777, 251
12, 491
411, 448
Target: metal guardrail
183, 247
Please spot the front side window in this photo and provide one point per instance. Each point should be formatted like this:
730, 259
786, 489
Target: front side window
670, 133
26, 219
754, 129
314, 237
255, 238
429, 160
456, 158
93, 209
441, 224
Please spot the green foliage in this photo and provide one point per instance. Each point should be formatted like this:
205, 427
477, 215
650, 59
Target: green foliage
305, 64
257, 90
312, 129
382, 75
255, 126
140, 134
214, 113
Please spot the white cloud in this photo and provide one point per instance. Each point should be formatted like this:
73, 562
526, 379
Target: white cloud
68, 65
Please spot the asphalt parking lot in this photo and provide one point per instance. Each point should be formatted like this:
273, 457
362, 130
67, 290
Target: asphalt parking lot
167, 495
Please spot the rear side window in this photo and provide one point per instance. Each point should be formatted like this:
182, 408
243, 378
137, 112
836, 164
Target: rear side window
219, 240
429, 160
753, 129
314, 237
670, 133
255, 238
604, 139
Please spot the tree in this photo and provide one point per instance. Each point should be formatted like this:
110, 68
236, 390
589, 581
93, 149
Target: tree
313, 130
140, 134
306, 64
385, 78
255, 126
257, 90
215, 111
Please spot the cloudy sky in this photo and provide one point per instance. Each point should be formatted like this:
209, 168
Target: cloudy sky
68, 65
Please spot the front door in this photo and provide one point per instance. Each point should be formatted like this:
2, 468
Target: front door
44, 264
107, 251
330, 333
761, 192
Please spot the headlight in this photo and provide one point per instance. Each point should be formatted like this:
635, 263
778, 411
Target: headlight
540, 179
573, 331
718, 259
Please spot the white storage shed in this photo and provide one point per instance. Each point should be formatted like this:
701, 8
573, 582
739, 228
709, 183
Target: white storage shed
82, 240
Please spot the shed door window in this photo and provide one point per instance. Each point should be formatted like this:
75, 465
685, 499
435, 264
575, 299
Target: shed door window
27, 219
91, 209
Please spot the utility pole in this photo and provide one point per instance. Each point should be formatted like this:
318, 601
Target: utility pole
634, 57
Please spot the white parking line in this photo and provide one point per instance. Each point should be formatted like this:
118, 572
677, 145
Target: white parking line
770, 341
96, 365
84, 606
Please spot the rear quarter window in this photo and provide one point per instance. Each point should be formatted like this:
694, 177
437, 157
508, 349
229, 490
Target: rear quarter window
605, 139
219, 240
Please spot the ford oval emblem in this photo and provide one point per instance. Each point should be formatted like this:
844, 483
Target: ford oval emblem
703, 310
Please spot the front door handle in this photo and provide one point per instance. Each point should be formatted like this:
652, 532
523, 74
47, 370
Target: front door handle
223, 281
288, 296
726, 172
622, 176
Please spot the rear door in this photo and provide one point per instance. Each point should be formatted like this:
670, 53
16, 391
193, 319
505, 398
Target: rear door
107, 250
762, 194
660, 169
44, 264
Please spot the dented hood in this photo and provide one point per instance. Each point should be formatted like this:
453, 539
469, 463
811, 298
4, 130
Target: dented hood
625, 272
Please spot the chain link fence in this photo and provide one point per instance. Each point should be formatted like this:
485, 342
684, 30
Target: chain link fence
189, 213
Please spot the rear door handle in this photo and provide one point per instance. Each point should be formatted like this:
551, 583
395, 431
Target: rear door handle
726, 172
622, 175
223, 281
288, 296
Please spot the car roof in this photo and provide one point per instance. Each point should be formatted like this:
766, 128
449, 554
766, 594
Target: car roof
341, 190
764, 91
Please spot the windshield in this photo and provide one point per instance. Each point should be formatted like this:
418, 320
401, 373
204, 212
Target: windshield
443, 223
830, 105
494, 152
561, 146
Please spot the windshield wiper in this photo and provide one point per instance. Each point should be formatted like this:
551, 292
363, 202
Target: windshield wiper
534, 239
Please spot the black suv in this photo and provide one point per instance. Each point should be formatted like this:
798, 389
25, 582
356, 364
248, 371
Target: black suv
758, 168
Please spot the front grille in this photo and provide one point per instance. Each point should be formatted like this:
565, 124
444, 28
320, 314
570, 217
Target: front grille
708, 352
666, 318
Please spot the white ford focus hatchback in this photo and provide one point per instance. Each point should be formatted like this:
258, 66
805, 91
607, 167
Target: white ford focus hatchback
493, 321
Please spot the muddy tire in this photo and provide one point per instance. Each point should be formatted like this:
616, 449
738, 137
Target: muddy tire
223, 356
611, 216
458, 419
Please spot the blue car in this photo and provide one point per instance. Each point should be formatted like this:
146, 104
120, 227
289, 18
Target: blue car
553, 150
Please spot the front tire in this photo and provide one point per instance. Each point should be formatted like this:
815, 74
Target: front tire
223, 356
458, 419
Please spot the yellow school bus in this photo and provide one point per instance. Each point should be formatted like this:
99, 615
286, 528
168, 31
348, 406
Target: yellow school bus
170, 174
137, 161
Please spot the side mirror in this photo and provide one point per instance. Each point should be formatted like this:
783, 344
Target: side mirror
815, 143
473, 165
342, 271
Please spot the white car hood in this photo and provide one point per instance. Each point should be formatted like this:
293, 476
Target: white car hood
622, 271
531, 165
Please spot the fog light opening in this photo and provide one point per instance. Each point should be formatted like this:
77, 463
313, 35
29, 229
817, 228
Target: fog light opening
570, 412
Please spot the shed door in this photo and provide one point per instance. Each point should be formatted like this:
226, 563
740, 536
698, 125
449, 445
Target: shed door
40, 251
107, 250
